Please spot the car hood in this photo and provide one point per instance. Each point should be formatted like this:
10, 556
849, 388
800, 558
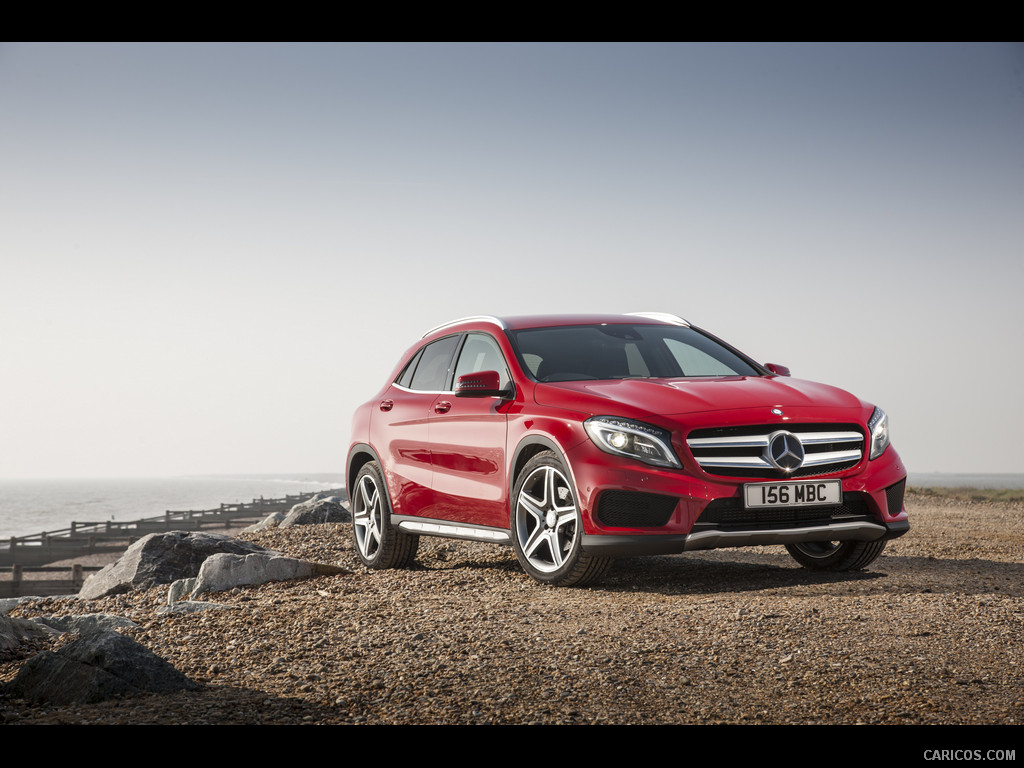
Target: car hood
670, 397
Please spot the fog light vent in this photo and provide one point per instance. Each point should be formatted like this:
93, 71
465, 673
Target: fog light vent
894, 497
632, 509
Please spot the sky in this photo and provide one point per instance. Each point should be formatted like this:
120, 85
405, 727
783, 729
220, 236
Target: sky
211, 254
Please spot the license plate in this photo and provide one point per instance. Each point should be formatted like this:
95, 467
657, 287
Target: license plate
804, 494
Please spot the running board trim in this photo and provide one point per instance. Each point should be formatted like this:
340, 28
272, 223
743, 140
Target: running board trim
449, 530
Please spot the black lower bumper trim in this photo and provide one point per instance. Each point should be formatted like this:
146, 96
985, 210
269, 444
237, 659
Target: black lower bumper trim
671, 544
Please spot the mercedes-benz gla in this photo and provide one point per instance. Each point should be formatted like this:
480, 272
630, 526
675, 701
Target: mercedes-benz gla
579, 439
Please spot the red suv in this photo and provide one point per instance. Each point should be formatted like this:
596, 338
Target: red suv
578, 439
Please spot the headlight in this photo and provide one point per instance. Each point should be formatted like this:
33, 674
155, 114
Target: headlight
625, 437
878, 426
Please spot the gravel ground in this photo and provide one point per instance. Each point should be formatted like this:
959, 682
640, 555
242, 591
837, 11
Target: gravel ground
930, 634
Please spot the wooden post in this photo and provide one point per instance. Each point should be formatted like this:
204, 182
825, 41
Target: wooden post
16, 576
77, 575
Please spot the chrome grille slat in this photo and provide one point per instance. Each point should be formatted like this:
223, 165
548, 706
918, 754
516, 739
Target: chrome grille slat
832, 457
829, 437
740, 451
757, 441
737, 461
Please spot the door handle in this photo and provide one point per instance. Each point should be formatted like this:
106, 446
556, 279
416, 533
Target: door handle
442, 407
387, 405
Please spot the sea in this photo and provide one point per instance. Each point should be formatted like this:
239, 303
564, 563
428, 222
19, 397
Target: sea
29, 507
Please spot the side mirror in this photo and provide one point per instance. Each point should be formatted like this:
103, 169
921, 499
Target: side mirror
479, 384
778, 370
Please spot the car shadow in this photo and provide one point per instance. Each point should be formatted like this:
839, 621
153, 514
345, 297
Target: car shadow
749, 570
685, 574
690, 574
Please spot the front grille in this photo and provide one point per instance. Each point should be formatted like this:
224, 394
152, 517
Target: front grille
894, 497
632, 509
729, 515
743, 451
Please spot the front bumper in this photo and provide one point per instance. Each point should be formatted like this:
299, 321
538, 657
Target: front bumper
665, 511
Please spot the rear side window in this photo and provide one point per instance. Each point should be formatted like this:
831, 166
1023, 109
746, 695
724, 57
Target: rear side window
405, 380
431, 372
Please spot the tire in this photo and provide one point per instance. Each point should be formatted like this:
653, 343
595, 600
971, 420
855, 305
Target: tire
547, 530
836, 555
378, 544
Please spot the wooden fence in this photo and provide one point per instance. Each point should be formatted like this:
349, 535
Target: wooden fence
70, 580
83, 539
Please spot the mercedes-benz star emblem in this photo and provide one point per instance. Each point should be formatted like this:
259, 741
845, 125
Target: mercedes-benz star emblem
785, 451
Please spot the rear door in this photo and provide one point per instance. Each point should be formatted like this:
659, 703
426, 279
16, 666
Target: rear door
401, 425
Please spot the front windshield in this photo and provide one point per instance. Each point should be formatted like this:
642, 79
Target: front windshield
582, 352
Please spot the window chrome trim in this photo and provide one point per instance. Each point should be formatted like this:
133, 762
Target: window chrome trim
424, 391
474, 318
665, 317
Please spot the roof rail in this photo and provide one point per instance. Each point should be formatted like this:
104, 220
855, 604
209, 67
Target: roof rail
481, 318
665, 317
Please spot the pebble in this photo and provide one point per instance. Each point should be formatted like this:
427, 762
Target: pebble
464, 636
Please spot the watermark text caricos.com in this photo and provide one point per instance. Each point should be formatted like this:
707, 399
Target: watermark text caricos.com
970, 754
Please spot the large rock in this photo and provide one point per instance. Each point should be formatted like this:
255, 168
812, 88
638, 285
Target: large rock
223, 572
86, 623
270, 521
94, 668
161, 558
314, 511
15, 633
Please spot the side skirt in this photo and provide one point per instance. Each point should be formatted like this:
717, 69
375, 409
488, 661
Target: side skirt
429, 527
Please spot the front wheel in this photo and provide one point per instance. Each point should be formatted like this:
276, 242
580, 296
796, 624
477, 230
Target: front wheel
547, 530
836, 555
378, 544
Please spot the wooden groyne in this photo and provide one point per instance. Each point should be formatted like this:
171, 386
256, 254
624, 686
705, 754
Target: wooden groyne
44, 580
83, 539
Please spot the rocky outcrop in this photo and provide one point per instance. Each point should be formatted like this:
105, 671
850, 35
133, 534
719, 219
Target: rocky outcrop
102, 663
222, 572
270, 521
85, 623
317, 510
96, 667
161, 558
16, 633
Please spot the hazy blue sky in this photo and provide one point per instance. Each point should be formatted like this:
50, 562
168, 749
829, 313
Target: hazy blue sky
211, 254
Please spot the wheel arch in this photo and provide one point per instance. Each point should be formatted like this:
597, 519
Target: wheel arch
358, 456
529, 447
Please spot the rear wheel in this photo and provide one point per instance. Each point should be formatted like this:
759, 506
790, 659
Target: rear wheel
836, 555
378, 544
547, 530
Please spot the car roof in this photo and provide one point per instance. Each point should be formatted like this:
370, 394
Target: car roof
519, 322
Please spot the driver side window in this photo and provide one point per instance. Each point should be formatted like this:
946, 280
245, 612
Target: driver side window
482, 353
